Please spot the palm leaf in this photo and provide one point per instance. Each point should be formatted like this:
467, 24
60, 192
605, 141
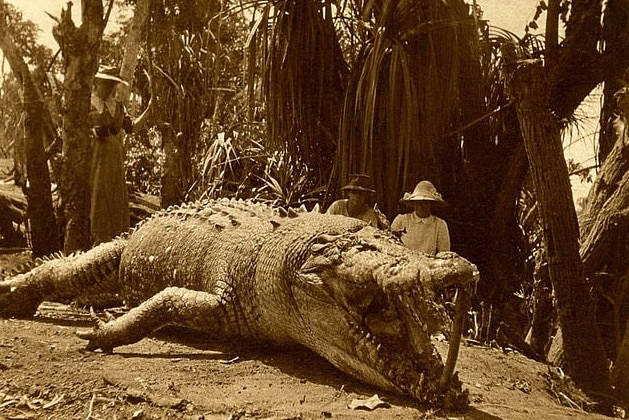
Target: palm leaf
406, 97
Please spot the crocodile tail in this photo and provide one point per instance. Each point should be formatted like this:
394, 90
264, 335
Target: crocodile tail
65, 278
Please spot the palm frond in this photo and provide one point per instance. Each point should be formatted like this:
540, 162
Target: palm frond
406, 97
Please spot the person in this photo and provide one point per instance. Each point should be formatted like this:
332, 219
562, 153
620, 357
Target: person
109, 206
357, 204
420, 230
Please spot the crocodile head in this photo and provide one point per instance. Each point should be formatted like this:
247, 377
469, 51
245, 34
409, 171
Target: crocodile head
370, 307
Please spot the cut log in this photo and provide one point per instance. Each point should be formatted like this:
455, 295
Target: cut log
12, 214
12, 204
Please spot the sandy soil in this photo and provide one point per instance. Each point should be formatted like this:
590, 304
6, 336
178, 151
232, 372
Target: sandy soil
45, 373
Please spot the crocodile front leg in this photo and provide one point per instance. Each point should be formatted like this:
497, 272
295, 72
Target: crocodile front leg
174, 306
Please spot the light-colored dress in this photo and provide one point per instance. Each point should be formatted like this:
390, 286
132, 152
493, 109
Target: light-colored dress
109, 210
425, 234
340, 207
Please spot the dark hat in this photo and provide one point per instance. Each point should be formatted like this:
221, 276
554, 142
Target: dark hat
109, 73
359, 182
424, 191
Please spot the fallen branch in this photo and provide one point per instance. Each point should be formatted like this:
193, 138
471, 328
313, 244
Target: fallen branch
91, 407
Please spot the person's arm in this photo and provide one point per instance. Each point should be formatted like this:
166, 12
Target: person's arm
133, 125
443, 237
398, 223
139, 122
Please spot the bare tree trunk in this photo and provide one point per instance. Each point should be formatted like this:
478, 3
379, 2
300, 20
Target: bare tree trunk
132, 48
36, 186
584, 353
171, 178
613, 168
603, 250
79, 46
608, 231
615, 21
620, 371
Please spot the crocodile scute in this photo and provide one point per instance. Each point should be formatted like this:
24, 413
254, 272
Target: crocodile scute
243, 270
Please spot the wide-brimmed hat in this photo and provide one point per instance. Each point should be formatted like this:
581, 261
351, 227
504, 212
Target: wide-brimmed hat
360, 182
109, 73
424, 191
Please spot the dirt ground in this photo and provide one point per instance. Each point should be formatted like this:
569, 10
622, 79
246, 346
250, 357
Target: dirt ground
45, 373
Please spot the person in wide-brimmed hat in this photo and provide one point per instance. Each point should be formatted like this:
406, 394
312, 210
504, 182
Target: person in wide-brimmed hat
359, 190
109, 206
420, 230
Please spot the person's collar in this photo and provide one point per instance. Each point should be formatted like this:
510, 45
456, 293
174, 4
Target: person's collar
417, 219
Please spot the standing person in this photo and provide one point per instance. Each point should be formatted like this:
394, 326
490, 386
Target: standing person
420, 230
357, 204
109, 207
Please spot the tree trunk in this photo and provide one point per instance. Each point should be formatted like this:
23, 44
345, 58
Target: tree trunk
608, 231
583, 348
605, 226
132, 48
36, 185
79, 46
542, 322
615, 21
615, 165
171, 192
620, 371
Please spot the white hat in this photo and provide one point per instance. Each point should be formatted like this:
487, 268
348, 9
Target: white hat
109, 73
424, 191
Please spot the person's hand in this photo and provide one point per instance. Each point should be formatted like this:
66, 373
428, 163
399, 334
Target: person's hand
399, 233
100, 131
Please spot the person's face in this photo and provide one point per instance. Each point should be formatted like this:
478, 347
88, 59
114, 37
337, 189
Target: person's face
422, 208
104, 88
357, 198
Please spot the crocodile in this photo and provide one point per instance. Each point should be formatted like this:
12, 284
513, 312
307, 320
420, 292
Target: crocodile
241, 270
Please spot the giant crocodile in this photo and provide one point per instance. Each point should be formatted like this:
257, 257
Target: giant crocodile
241, 270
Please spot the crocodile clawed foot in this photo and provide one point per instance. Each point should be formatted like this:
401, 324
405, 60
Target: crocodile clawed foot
96, 336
